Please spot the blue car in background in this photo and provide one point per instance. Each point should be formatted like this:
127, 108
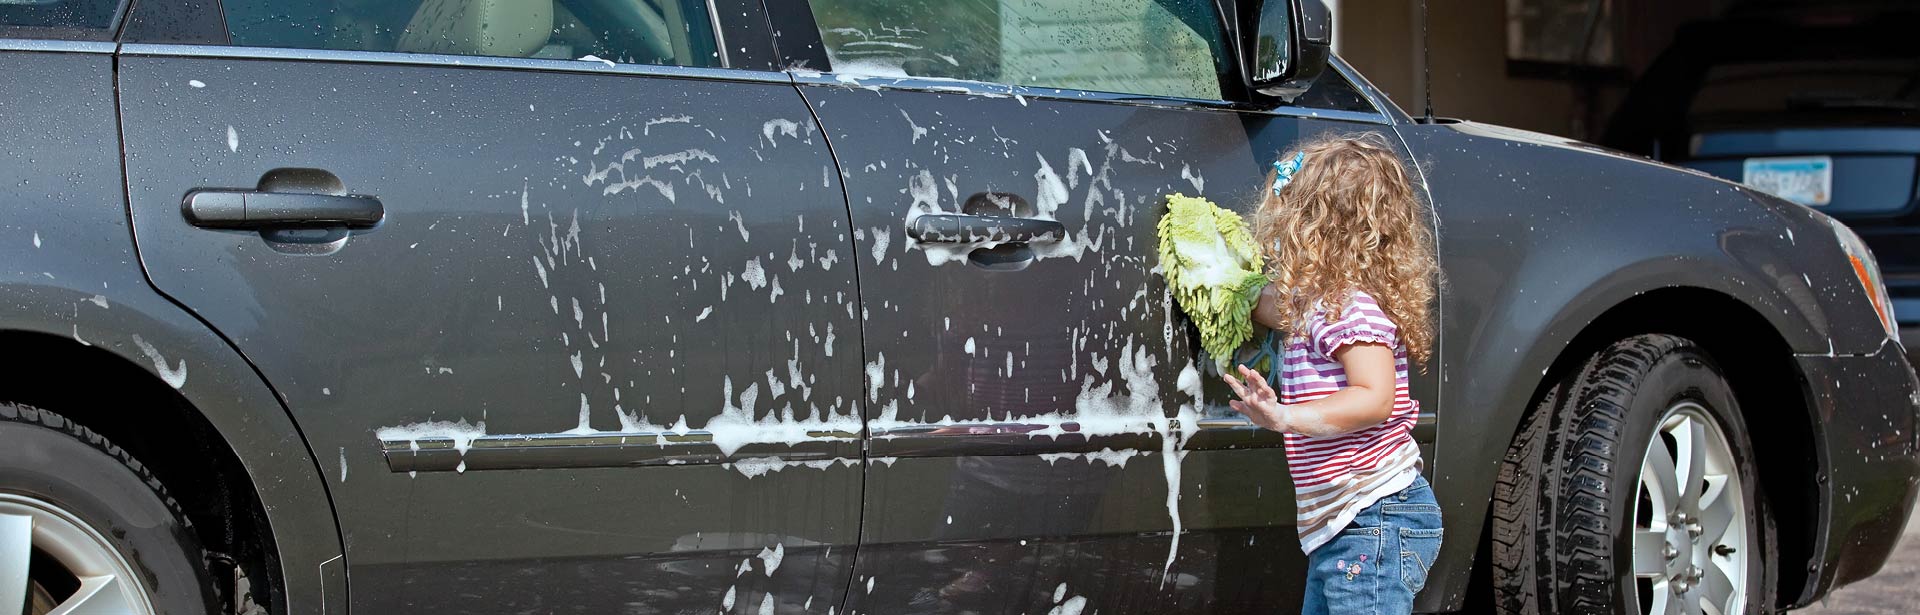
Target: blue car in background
1818, 103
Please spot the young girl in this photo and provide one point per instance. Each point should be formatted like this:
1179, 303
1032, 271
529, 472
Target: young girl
1351, 255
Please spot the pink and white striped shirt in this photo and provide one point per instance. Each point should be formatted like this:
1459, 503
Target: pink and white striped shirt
1336, 477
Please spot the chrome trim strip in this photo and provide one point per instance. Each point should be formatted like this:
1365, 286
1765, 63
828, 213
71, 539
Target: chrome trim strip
719, 35
1330, 114
1228, 422
38, 44
1235, 422
986, 89
1000, 90
450, 61
1227, 433
601, 450
1889, 340
1015, 439
333, 575
695, 447
999, 440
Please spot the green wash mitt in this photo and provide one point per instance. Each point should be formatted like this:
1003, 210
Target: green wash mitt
1214, 269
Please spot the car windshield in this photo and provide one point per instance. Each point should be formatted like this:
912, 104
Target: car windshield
1817, 92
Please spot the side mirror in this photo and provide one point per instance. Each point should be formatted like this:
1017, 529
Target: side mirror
1292, 40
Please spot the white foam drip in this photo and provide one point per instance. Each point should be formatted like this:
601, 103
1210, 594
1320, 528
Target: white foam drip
781, 126
460, 432
755, 467
1051, 192
175, 377
737, 425
1098, 411
754, 275
770, 558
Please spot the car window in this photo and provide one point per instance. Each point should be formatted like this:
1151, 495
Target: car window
76, 14
1331, 90
1151, 47
666, 32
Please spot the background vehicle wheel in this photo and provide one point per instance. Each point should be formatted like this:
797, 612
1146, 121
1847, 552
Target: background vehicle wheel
85, 528
1631, 490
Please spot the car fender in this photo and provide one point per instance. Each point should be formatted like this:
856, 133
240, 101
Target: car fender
68, 268
1540, 236
131, 321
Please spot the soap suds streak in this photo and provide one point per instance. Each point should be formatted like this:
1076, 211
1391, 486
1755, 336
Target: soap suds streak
461, 433
619, 165
760, 412
782, 127
1100, 409
754, 467
1126, 368
174, 376
1051, 192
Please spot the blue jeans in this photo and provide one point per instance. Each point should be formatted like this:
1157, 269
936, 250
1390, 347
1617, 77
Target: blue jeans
1377, 564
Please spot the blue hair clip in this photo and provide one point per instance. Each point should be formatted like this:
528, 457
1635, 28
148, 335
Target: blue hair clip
1284, 170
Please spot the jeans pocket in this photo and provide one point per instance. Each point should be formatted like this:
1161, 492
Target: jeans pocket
1349, 574
1418, 548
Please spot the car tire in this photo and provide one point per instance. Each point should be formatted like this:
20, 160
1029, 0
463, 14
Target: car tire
94, 512
1593, 512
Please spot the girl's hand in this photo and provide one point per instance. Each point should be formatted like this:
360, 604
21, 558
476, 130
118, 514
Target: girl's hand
1257, 400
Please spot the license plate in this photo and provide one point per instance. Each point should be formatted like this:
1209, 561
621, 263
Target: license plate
1807, 180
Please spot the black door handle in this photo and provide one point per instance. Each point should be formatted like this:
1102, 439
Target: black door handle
971, 229
218, 208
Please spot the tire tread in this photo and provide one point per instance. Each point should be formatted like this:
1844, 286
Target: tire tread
1552, 541
22, 413
185, 538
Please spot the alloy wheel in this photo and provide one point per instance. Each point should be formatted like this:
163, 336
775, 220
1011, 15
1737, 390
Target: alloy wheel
52, 563
1690, 538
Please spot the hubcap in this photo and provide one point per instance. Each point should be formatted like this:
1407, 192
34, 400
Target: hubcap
1690, 540
66, 567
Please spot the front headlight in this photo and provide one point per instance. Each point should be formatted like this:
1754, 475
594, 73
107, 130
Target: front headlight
1868, 271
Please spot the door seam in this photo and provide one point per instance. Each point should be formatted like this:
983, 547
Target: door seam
133, 238
859, 296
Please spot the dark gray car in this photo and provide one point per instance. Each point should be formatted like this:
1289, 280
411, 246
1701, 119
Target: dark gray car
663, 306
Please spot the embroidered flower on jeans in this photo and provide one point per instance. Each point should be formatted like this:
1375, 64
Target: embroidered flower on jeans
1352, 570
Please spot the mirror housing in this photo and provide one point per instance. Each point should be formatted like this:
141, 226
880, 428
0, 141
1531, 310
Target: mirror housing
1289, 47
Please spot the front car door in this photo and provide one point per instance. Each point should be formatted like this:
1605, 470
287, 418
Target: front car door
559, 292
1044, 434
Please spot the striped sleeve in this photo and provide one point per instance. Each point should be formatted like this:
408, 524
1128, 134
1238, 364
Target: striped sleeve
1362, 322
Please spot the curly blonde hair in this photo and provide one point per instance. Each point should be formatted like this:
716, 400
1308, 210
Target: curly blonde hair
1350, 221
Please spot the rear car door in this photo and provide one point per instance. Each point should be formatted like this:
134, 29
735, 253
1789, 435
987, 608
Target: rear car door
557, 290
1042, 433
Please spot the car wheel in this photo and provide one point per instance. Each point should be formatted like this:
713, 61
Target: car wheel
1630, 490
85, 528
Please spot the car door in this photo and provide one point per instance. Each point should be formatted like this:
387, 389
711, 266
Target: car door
558, 291
1043, 431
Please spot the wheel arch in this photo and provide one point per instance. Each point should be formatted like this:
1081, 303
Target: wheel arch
1576, 245
1767, 383
1757, 361
97, 359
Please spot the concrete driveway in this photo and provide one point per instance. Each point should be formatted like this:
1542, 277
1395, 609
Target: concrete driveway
1895, 590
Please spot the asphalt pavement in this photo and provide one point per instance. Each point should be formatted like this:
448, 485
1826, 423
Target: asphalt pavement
1895, 590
